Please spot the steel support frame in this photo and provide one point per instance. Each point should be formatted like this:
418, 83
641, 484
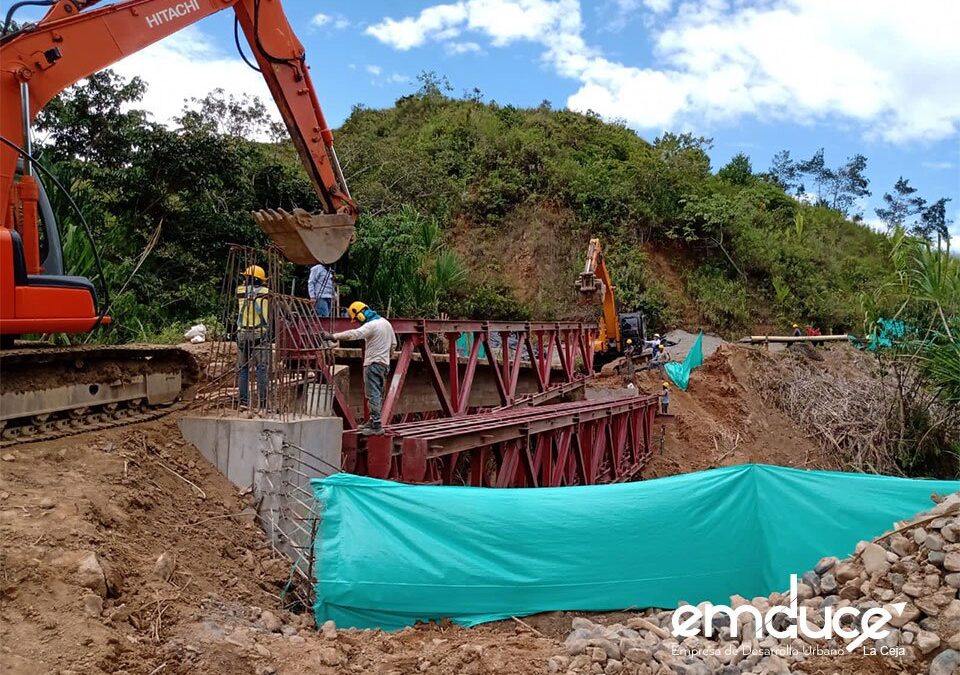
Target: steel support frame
581, 443
535, 343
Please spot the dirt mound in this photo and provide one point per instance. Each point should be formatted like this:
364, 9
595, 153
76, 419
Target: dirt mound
722, 419
84, 522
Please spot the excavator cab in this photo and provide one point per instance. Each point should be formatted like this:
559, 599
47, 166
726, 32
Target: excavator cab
35, 295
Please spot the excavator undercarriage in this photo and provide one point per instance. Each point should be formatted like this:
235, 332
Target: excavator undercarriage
49, 391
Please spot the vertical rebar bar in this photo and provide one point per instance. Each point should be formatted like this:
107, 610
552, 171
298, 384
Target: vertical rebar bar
273, 345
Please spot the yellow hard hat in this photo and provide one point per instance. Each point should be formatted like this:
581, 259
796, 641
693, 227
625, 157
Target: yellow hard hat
796, 325
661, 347
629, 341
666, 384
256, 272
355, 311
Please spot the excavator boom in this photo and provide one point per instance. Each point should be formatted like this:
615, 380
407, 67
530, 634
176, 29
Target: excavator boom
75, 40
47, 391
595, 287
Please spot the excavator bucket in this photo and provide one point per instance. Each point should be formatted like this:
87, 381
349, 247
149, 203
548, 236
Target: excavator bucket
589, 288
307, 238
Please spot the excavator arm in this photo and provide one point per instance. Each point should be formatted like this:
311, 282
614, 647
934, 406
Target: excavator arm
595, 286
73, 41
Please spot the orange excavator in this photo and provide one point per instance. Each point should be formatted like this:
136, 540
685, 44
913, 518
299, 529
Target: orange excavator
51, 391
595, 286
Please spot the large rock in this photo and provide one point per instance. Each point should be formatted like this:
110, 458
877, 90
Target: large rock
329, 630
825, 565
846, 571
901, 545
949, 619
874, 558
828, 584
946, 662
927, 642
90, 574
163, 568
951, 561
910, 613
270, 622
92, 605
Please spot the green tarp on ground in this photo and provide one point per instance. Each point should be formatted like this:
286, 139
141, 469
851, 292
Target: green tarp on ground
390, 554
680, 372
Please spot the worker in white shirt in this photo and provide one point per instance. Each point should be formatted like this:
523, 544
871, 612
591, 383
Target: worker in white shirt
379, 338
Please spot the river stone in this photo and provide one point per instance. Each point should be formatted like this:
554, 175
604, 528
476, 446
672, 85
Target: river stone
927, 641
875, 559
947, 662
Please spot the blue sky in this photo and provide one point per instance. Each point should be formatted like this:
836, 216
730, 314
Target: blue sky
880, 77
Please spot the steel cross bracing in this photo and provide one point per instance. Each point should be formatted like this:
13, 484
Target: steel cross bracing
518, 444
580, 443
554, 352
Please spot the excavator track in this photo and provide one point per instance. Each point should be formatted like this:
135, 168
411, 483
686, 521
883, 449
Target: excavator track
50, 392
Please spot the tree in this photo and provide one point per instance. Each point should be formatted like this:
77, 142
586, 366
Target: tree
220, 113
816, 168
847, 184
737, 171
901, 205
97, 121
933, 221
784, 172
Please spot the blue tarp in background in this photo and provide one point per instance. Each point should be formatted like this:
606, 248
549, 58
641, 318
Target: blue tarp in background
680, 372
390, 554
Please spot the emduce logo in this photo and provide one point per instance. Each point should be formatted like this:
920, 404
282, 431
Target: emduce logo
871, 624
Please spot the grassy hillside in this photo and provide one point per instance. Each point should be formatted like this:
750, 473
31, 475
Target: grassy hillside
471, 209
518, 192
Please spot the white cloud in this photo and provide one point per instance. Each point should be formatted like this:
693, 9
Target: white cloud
374, 70
435, 22
938, 166
338, 22
188, 65
866, 61
457, 48
656, 6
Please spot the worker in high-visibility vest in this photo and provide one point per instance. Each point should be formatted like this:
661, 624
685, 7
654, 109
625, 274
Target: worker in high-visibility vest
253, 333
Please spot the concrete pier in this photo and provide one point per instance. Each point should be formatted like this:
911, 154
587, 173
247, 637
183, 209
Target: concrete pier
275, 459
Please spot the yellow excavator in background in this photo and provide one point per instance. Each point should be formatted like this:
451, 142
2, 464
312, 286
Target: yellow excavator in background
595, 286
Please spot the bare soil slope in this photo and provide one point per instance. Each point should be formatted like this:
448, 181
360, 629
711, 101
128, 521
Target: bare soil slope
721, 420
115, 502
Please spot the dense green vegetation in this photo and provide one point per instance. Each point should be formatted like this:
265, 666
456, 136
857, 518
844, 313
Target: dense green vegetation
474, 209
470, 209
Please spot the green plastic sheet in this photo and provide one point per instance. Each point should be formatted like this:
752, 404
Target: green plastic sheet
680, 372
389, 554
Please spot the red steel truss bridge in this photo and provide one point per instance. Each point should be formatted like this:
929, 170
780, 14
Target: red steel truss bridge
478, 403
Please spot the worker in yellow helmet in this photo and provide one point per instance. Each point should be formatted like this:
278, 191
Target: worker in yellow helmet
253, 333
379, 338
659, 359
664, 398
797, 331
628, 365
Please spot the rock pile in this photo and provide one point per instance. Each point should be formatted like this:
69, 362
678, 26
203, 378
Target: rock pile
915, 567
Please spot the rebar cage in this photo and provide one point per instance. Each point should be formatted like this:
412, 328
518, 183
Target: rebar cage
272, 360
